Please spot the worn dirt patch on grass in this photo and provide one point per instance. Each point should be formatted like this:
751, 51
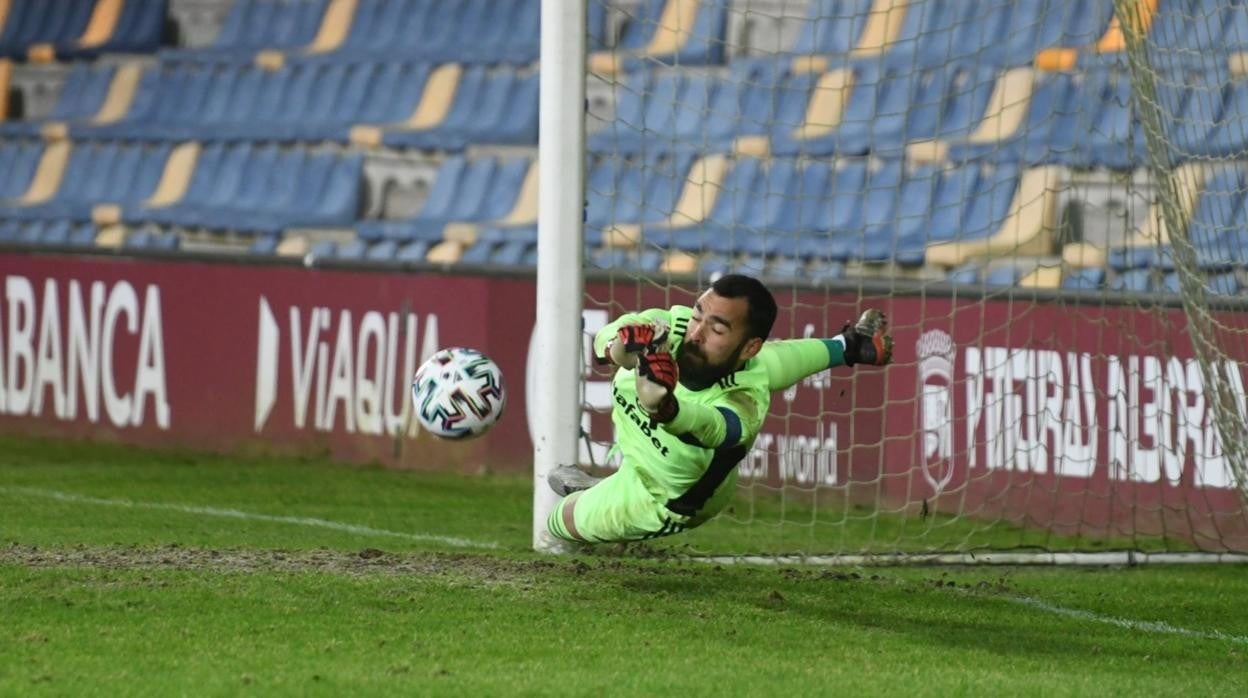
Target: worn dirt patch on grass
368, 561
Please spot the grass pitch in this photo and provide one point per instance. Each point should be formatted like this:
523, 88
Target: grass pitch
125, 572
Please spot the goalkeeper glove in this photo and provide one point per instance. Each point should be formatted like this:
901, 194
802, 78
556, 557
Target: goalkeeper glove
635, 339
656, 379
868, 341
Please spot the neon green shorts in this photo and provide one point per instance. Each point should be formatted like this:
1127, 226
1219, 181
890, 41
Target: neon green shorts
620, 508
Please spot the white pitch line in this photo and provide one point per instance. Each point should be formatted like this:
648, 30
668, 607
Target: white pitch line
251, 516
1148, 626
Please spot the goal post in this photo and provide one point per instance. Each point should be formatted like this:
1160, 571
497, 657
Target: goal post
1048, 197
554, 393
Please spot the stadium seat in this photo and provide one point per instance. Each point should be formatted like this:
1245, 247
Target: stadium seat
643, 261
1225, 284
1086, 279
965, 274
18, 161
94, 98
31, 23
1008, 213
740, 212
464, 191
495, 106
875, 206
679, 32
131, 26
832, 27
1005, 275
696, 200
252, 25
95, 173
414, 251
1133, 281
258, 189
1108, 48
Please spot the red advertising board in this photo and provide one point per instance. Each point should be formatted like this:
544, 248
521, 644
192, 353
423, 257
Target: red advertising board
1091, 418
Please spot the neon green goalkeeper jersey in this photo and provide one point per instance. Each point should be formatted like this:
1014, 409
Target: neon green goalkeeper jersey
690, 462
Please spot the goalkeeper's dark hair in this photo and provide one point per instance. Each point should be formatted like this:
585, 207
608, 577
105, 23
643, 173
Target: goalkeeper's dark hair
762, 312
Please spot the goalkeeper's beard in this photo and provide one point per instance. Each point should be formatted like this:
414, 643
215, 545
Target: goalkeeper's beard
697, 372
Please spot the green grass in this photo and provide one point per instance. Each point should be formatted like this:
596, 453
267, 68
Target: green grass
123, 572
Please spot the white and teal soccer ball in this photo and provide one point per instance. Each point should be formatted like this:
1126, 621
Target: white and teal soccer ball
458, 393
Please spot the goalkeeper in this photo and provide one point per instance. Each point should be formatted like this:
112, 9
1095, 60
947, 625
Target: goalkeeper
691, 393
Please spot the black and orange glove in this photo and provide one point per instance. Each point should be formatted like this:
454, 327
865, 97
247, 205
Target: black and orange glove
634, 339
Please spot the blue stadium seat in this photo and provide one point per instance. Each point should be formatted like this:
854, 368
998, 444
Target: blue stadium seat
876, 211
787, 269
1007, 275
970, 202
645, 260
1086, 279
965, 274
504, 246
98, 172
806, 196
33, 22
1041, 24
270, 24
731, 220
832, 26
1226, 284
152, 241
1111, 137
264, 190
414, 251
1133, 281
704, 44
461, 31
18, 160
139, 29
322, 249
264, 245
80, 98
645, 113
915, 199
1047, 131
464, 190
351, 250
823, 270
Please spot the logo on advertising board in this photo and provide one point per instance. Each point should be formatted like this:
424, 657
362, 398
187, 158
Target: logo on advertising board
345, 368
936, 352
99, 356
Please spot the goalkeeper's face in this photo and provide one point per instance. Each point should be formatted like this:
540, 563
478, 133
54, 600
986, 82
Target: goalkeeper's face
717, 342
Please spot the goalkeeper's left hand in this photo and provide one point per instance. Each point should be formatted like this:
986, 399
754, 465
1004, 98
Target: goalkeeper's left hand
656, 379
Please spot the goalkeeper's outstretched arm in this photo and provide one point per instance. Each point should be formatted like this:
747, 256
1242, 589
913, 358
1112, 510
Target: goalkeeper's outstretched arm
865, 342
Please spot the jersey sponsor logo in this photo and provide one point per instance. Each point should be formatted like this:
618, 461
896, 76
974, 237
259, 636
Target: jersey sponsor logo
936, 352
641, 420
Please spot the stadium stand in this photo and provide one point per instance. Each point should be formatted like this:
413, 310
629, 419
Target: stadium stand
928, 136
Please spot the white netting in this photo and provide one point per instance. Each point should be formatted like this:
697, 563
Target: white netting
1046, 197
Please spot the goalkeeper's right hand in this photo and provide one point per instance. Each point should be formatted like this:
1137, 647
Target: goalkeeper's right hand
634, 339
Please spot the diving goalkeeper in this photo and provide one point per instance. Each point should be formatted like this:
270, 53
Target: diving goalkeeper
692, 390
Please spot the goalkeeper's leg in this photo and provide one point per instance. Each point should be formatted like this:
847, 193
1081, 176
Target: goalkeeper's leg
617, 509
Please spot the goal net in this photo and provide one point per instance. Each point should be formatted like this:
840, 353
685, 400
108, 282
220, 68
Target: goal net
1045, 196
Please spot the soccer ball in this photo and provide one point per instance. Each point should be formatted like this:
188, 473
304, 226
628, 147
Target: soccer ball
458, 393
